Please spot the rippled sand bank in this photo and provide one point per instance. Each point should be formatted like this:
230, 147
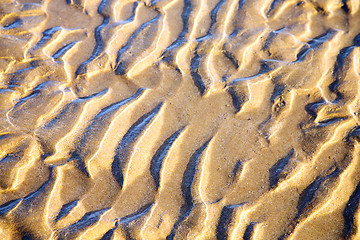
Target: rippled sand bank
179, 119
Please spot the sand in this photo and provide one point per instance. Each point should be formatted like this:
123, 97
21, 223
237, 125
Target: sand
179, 119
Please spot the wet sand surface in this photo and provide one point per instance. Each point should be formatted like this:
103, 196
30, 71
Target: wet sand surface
179, 119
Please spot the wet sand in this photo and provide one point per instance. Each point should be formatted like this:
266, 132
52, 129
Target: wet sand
179, 119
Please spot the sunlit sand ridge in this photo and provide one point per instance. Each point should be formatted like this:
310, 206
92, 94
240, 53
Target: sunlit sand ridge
180, 119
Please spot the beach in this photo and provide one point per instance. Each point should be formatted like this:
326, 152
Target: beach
180, 119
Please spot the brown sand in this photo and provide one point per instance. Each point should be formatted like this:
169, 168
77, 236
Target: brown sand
179, 119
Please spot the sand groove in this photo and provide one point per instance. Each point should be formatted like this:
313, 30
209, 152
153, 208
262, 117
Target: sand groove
179, 119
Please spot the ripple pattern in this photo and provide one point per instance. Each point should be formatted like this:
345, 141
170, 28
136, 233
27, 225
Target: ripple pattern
180, 119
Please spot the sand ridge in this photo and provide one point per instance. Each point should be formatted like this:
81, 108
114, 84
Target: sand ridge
179, 119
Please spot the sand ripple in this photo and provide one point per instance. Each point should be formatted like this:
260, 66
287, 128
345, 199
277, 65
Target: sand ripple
179, 119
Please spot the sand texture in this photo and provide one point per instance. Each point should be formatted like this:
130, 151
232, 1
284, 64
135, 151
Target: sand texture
180, 119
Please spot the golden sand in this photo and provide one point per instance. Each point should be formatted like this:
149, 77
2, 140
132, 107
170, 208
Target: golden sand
180, 119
